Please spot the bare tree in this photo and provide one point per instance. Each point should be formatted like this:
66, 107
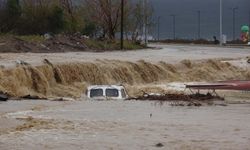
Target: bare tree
138, 14
106, 14
68, 7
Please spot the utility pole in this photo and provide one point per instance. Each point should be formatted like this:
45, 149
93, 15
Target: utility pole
145, 22
249, 19
122, 23
173, 25
199, 24
221, 27
234, 11
159, 28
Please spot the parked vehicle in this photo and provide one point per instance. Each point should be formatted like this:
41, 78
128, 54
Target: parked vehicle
107, 92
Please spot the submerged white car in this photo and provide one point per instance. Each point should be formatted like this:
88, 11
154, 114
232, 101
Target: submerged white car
107, 92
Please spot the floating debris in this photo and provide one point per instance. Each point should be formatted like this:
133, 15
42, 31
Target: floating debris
33, 97
159, 145
180, 99
60, 99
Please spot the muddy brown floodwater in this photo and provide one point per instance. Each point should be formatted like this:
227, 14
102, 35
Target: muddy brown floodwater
121, 125
163, 52
107, 125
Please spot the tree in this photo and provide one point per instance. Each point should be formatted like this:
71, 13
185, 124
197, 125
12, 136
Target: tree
10, 13
56, 20
69, 13
89, 29
106, 14
40, 17
138, 15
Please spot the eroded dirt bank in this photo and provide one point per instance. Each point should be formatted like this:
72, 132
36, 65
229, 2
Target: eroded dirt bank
71, 79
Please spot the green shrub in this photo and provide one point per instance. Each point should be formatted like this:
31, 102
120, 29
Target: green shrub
10, 15
56, 20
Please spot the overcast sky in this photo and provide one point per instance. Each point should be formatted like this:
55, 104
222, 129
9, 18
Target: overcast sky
187, 17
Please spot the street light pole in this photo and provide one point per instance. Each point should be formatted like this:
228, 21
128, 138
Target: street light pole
234, 10
249, 19
122, 23
159, 28
145, 22
199, 24
221, 28
173, 25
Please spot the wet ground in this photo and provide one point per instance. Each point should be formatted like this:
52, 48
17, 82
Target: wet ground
122, 125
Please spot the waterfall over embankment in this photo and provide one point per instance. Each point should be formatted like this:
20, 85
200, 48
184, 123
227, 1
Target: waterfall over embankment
71, 79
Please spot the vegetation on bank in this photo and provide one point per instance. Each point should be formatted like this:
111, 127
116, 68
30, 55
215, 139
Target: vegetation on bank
112, 45
90, 43
60, 43
97, 19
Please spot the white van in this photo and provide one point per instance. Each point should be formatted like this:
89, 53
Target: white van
107, 92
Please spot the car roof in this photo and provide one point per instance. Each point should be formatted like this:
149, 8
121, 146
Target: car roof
105, 86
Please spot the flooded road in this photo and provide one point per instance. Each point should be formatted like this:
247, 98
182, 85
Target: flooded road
160, 52
123, 125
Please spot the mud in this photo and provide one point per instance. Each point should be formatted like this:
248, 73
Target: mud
126, 125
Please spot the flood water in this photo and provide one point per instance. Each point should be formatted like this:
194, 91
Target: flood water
124, 125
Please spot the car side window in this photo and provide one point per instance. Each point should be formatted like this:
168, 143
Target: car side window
112, 93
96, 93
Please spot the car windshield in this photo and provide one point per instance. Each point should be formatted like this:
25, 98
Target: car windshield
112, 93
96, 93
